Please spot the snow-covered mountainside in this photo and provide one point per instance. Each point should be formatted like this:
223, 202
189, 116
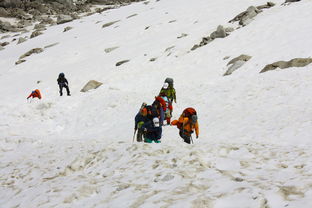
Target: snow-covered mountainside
254, 147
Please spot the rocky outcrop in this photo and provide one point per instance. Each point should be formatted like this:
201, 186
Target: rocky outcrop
236, 63
296, 62
92, 84
244, 18
221, 32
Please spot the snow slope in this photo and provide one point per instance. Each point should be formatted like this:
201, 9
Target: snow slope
255, 129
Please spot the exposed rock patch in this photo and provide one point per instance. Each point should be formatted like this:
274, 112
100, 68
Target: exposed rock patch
108, 50
61, 19
67, 29
51, 45
35, 34
236, 63
296, 62
132, 16
182, 35
110, 23
122, 62
92, 84
247, 16
20, 61
32, 51
221, 32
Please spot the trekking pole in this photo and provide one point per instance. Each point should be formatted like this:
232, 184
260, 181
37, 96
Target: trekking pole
134, 135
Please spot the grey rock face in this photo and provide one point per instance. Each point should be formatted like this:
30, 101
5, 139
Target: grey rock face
92, 84
296, 62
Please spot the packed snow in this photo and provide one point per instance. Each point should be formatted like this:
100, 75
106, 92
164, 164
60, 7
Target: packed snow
254, 147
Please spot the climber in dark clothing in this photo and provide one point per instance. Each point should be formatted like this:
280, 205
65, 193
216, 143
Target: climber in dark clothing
62, 82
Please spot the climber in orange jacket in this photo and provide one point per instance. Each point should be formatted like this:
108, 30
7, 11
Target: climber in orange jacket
35, 94
187, 123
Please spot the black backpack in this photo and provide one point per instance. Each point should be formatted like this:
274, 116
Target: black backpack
151, 111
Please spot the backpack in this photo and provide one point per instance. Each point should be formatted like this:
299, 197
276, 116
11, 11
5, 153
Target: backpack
169, 81
151, 111
159, 101
188, 112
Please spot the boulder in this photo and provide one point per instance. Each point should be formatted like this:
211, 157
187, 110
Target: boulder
61, 19
21, 40
35, 34
296, 62
219, 33
67, 29
92, 84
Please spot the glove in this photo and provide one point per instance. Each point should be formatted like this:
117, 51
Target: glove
196, 137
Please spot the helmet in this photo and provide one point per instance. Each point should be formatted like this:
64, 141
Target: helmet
194, 119
62, 75
166, 85
156, 122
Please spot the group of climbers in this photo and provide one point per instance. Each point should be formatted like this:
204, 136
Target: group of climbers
62, 83
150, 118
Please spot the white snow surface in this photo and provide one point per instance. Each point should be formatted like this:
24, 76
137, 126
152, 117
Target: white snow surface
254, 148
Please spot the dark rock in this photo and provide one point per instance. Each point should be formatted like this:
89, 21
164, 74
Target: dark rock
110, 23
67, 29
122, 62
20, 61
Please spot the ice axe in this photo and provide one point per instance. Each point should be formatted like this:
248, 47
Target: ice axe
134, 135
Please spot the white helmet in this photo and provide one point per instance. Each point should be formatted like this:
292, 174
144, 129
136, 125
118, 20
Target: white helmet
166, 85
156, 122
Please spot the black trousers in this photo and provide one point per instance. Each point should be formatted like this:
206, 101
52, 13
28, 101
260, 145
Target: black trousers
61, 89
186, 138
